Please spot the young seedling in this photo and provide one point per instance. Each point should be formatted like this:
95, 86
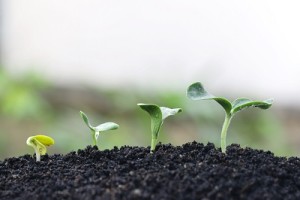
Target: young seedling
197, 92
157, 115
100, 128
39, 143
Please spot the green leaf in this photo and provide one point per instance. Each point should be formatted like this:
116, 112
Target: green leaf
44, 139
86, 120
156, 117
106, 127
166, 112
243, 103
197, 92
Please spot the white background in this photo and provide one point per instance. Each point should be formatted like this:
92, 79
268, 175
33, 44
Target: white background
246, 47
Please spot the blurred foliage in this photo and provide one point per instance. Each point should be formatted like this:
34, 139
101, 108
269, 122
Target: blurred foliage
20, 97
29, 105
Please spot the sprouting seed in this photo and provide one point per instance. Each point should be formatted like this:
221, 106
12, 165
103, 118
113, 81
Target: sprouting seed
97, 129
39, 143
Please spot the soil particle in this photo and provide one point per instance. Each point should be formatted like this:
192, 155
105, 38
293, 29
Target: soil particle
190, 171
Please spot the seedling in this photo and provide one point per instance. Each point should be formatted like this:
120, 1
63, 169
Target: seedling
197, 92
100, 128
157, 115
39, 143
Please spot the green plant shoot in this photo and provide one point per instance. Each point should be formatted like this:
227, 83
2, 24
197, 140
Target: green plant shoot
157, 115
39, 143
197, 92
100, 128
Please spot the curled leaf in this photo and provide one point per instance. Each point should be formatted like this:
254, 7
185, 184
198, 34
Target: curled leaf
197, 92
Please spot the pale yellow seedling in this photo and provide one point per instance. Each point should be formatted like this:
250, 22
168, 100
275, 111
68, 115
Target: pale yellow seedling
39, 143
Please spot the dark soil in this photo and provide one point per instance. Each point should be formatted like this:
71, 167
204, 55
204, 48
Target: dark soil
191, 171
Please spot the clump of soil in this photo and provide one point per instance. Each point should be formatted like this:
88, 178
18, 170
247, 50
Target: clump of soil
190, 171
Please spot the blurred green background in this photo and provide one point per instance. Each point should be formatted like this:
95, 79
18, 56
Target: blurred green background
30, 105
104, 57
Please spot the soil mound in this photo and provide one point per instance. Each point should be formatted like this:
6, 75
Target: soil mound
190, 171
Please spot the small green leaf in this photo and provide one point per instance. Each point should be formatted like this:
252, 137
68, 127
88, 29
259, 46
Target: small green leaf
86, 120
166, 112
243, 103
197, 92
106, 127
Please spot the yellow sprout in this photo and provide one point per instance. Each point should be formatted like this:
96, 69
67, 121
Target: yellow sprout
39, 143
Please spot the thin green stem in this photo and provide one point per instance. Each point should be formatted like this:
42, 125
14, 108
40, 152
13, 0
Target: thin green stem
153, 144
224, 132
95, 137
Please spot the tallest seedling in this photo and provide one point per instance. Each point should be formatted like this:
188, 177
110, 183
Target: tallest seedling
197, 92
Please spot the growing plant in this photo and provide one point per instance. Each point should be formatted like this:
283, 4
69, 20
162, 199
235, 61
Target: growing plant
100, 128
39, 143
157, 115
197, 92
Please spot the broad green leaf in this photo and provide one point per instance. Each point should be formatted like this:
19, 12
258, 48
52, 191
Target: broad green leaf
106, 127
156, 117
86, 120
166, 112
197, 92
243, 103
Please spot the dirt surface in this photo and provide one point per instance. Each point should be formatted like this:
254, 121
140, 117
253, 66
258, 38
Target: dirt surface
191, 171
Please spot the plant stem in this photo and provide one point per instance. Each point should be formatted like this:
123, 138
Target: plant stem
224, 132
95, 137
153, 144
37, 154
